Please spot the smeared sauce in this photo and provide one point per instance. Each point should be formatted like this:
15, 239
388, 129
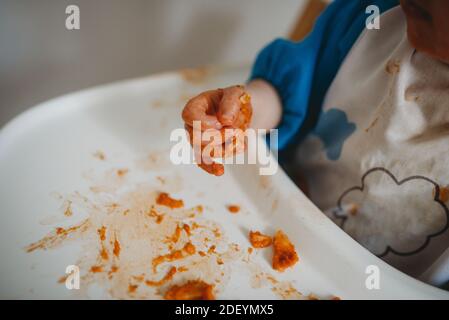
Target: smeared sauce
96, 269
188, 249
165, 279
57, 237
164, 199
138, 242
116, 250
444, 193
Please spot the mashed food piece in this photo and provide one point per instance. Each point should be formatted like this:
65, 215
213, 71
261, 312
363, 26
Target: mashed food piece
259, 240
164, 199
284, 255
192, 290
232, 208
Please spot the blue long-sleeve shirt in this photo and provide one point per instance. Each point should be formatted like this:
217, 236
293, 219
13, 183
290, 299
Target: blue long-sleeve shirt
302, 72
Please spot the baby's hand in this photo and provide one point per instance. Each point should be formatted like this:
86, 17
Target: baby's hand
217, 109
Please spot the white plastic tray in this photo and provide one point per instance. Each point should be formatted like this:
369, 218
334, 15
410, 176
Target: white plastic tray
49, 150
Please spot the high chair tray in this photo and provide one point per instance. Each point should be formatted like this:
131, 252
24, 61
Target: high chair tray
102, 155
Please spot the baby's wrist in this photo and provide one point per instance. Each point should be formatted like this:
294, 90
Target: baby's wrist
267, 106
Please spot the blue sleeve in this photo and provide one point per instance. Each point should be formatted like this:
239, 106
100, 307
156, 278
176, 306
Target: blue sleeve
302, 72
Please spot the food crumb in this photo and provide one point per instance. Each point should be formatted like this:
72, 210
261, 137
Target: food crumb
190, 248
259, 240
284, 255
122, 172
233, 208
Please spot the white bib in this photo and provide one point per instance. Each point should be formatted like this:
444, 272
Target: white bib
378, 161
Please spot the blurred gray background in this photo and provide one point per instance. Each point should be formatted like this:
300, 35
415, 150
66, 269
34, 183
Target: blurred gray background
118, 39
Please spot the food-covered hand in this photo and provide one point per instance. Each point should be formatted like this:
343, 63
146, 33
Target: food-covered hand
220, 109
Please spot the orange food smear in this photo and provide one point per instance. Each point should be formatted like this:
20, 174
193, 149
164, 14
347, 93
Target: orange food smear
284, 255
192, 290
176, 235
96, 269
164, 199
102, 233
211, 249
113, 270
233, 208
259, 240
189, 249
165, 279
104, 254
122, 172
116, 249
62, 279
139, 278
444, 194
186, 228
217, 233
153, 213
183, 269
132, 288
216, 169
60, 234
